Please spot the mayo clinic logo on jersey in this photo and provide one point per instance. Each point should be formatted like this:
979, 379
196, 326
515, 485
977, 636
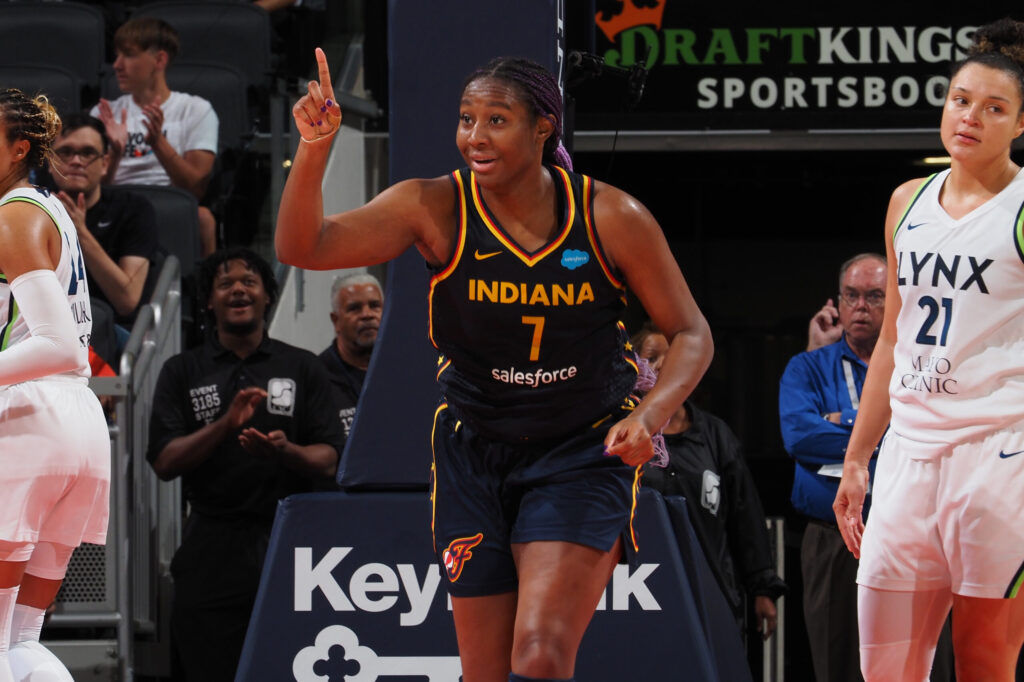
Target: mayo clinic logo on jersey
458, 553
572, 259
710, 492
281, 396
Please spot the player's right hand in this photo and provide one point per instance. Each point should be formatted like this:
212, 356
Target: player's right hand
317, 114
849, 504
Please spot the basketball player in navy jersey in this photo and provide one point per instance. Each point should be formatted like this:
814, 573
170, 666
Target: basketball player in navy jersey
55, 453
947, 521
537, 445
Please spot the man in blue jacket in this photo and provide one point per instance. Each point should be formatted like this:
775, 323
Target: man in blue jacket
818, 399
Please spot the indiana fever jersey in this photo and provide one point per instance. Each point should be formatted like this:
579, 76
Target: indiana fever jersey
70, 273
531, 344
960, 349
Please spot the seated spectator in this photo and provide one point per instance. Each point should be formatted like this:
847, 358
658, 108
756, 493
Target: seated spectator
706, 467
158, 137
245, 421
116, 228
357, 302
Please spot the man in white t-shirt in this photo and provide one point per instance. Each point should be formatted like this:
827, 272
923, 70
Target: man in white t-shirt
158, 137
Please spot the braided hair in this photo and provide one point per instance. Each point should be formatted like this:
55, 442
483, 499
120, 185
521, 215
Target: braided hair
32, 119
999, 45
538, 90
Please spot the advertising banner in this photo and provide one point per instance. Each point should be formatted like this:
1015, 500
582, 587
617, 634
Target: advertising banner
351, 591
755, 65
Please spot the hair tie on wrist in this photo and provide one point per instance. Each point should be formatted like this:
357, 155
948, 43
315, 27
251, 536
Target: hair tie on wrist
318, 138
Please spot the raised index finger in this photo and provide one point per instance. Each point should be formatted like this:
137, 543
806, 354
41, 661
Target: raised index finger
325, 74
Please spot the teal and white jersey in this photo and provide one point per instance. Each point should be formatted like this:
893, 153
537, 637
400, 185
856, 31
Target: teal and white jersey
70, 273
960, 350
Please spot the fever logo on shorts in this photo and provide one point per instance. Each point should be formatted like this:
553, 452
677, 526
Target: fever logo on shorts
457, 554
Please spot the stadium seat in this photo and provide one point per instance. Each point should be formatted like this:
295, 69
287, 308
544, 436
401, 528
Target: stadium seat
65, 33
61, 86
233, 33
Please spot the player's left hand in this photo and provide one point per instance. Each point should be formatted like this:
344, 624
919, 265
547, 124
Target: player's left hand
260, 444
154, 122
630, 441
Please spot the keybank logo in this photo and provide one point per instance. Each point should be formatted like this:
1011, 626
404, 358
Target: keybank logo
362, 664
412, 590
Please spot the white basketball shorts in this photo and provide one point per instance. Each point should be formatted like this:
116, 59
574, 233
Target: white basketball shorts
947, 517
54, 463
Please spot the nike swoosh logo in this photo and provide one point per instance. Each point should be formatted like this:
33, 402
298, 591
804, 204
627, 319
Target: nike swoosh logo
484, 256
1007, 455
914, 227
104, 223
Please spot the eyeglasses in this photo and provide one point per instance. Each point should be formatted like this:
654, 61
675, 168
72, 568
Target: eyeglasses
874, 299
86, 154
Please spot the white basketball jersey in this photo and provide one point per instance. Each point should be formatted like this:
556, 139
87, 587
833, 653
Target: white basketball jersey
960, 350
70, 273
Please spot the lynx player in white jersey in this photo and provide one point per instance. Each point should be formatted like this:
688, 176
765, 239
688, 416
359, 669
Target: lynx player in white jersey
947, 517
54, 444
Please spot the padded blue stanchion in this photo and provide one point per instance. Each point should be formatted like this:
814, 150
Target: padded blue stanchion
432, 47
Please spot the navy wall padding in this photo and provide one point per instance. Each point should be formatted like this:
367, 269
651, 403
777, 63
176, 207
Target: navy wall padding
432, 47
367, 547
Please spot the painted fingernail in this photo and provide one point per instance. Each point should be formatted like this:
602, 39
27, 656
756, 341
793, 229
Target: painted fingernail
330, 103
323, 109
319, 123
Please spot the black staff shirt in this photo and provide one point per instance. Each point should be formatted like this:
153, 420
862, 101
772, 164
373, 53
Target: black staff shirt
196, 387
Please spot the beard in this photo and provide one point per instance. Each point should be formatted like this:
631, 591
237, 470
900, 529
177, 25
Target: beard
240, 328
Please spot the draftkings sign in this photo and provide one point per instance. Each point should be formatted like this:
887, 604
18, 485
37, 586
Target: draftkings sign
747, 65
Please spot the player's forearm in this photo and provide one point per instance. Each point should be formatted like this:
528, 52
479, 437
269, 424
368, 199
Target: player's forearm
875, 411
300, 216
688, 357
53, 345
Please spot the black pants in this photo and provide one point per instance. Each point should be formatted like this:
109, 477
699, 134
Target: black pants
830, 603
830, 609
216, 574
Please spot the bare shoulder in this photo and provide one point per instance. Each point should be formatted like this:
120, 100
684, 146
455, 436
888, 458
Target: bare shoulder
28, 239
616, 211
906, 191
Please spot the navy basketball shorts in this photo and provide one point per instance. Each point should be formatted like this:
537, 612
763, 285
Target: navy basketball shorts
488, 494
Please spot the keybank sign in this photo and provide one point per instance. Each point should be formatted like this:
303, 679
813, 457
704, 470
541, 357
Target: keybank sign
364, 598
410, 591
